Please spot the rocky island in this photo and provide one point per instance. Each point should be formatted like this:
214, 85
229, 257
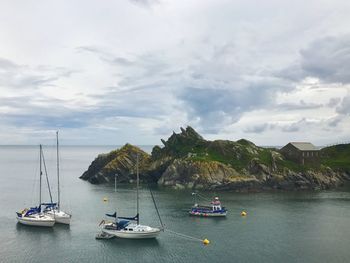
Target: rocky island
187, 160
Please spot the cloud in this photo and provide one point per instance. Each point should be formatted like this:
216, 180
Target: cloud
106, 56
333, 102
327, 59
257, 128
302, 105
217, 107
13, 75
333, 122
145, 3
6, 64
344, 107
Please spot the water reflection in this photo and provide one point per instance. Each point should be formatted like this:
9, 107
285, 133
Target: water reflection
33, 229
128, 243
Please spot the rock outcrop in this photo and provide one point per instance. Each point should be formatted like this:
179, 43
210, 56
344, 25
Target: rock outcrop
187, 160
120, 162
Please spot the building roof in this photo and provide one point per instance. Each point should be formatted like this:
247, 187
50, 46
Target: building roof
304, 146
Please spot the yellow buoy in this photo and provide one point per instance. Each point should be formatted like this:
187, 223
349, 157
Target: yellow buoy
105, 199
206, 242
243, 213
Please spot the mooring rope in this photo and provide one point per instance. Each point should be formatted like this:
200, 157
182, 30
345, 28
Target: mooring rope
183, 235
203, 197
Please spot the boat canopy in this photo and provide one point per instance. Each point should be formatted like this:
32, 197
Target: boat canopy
135, 218
33, 210
112, 215
122, 224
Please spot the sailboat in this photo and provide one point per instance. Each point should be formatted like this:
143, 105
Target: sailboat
54, 209
123, 227
34, 216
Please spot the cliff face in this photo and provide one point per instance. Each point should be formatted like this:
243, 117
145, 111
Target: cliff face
188, 161
120, 162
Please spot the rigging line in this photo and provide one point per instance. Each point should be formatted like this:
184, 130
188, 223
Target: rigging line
47, 178
137, 188
58, 172
155, 205
203, 197
35, 181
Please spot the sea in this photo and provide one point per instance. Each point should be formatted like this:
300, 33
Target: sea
279, 226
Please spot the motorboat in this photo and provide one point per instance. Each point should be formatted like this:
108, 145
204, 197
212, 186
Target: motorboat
214, 210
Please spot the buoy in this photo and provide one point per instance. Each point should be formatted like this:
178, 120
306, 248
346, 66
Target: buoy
243, 213
105, 199
206, 242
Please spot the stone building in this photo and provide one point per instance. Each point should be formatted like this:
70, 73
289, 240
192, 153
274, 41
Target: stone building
301, 152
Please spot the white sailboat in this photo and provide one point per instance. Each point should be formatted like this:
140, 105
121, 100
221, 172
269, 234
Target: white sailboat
54, 209
34, 216
124, 228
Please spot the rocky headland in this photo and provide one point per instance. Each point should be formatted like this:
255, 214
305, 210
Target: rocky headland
187, 160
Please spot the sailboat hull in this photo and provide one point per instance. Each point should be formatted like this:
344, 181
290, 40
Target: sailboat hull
60, 216
132, 235
62, 220
44, 221
133, 231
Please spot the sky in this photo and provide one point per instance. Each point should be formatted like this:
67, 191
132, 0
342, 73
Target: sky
116, 71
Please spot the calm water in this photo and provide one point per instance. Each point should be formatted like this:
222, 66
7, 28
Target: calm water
280, 227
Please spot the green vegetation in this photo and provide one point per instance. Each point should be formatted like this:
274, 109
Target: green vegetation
336, 157
293, 166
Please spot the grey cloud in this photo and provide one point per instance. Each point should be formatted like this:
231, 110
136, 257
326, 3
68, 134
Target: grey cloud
326, 58
333, 122
299, 125
6, 64
17, 76
106, 56
291, 128
257, 128
344, 107
213, 107
333, 102
221, 86
302, 105
145, 3
136, 70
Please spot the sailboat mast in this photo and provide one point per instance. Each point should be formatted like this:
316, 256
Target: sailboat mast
40, 177
137, 188
58, 173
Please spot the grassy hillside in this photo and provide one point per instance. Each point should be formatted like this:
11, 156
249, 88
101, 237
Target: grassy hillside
337, 157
